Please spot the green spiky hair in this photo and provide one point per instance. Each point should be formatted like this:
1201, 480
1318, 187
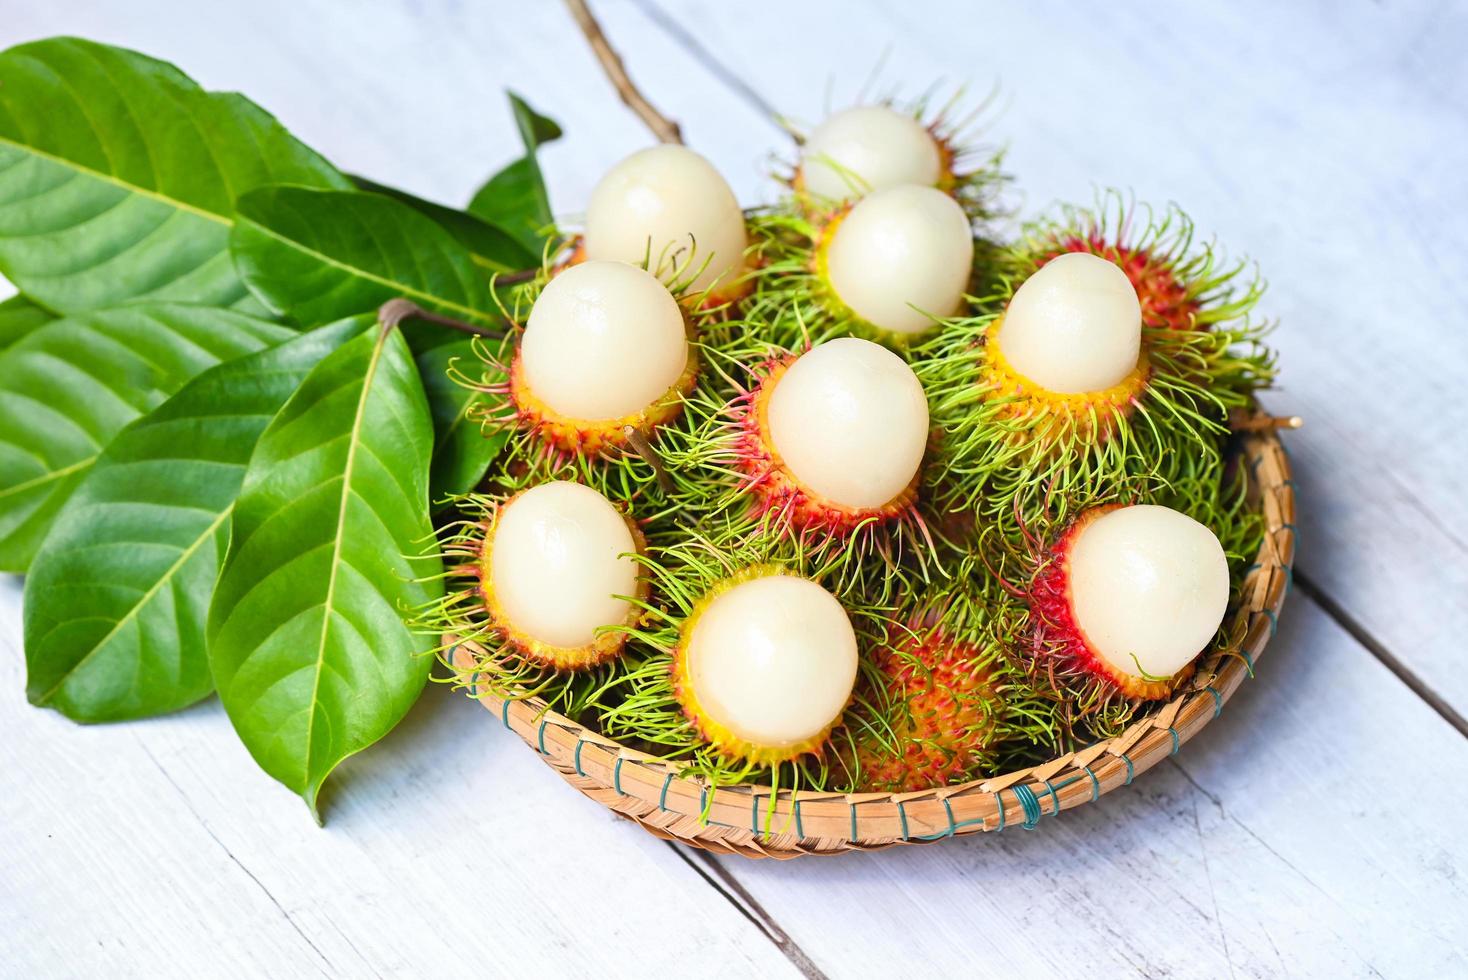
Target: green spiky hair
945, 702
1008, 451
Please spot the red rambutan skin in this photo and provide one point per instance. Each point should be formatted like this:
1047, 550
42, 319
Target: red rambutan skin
1163, 296
1060, 645
947, 712
775, 490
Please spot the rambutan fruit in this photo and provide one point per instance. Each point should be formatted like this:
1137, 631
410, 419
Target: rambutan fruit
824, 447
1181, 284
667, 209
604, 350
1125, 599
745, 667
548, 581
886, 268
1064, 395
765, 665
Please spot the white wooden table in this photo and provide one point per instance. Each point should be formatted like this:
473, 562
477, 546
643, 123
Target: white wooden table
1318, 828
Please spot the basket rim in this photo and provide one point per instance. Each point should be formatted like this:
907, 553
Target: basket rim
757, 821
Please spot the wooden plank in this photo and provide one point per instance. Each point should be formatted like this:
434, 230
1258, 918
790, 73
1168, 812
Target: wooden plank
1310, 831
159, 849
1339, 170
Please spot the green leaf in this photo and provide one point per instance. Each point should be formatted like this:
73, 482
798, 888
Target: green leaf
19, 317
494, 249
118, 176
70, 386
306, 635
462, 453
515, 199
317, 256
115, 603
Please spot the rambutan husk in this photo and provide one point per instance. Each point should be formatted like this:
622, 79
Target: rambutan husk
944, 703
1011, 450
508, 663
1181, 283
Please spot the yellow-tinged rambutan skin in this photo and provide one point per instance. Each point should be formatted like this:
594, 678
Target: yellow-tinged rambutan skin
721, 735
593, 437
605, 647
946, 707
774, 488
1042, 414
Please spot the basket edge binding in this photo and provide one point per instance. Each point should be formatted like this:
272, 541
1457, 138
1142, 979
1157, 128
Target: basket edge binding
744, 820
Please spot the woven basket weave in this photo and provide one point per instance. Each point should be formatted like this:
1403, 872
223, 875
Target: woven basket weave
741, 820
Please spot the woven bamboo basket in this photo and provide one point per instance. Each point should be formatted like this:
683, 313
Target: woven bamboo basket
742, 819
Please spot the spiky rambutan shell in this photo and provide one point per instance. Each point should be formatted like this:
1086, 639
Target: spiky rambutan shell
1182, 284
943, 707
591, 437
1009, 448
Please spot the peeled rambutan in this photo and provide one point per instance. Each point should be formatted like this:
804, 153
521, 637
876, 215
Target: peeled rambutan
824, 448
765, 665
605, 348
666, 208
1126, 598
886, 268
552, 579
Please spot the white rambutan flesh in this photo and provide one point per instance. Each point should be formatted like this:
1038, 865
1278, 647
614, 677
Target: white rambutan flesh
604, 340
868, 148
772, 660
901, 257
560, 562
1148, 588
1074, 326
849, 420
668, 207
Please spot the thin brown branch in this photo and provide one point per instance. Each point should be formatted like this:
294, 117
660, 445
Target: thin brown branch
392, 314
665, 129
